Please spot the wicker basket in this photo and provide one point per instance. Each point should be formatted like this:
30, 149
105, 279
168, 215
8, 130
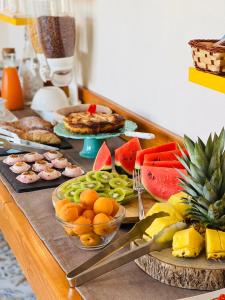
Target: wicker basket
207, 57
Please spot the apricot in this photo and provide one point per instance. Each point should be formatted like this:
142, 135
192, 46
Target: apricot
59, 204
88, 197
68, 212
90, 239
81, 226
115, 207
101, 226
80, 209
68, 230
103, 205
89, 214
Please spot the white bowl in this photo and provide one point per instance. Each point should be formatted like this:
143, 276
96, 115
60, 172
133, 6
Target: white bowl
49, 99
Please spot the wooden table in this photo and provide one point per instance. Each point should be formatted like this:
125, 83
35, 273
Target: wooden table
40, 268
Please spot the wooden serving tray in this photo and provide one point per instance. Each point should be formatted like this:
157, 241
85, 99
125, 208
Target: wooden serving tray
189, 273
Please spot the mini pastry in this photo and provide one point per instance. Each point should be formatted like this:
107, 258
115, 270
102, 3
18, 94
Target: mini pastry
12, 159
32, 157
20, 167
28, 177
32, 122
73, 171
41, 136
41, 165
50, 155
60, 163
49, 174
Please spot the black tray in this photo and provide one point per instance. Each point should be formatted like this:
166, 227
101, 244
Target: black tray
65, 145
20, 187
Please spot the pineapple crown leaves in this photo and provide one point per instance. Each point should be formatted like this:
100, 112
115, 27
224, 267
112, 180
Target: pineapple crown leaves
205, 181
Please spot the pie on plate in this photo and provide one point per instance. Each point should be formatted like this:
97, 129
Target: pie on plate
93, 123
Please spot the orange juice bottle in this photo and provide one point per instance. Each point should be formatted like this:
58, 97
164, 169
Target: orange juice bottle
11, 89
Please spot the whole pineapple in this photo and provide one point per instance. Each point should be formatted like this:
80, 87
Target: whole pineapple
205, 182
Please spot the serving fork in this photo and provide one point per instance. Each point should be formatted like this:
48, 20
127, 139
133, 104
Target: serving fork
138, 187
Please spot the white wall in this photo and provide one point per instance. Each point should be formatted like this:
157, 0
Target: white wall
135, 52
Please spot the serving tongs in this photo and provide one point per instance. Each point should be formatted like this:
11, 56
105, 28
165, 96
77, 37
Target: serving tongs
94, 267
10, 140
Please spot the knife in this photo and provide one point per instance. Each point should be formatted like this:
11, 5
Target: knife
20, 144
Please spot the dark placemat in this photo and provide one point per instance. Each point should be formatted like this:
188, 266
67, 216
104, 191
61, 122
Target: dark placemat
41, 184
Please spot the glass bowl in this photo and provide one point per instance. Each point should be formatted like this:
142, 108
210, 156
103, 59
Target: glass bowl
94, 236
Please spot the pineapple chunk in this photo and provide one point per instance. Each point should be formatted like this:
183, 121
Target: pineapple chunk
160, 224
187, 243
215, 244
176, 201
165, 207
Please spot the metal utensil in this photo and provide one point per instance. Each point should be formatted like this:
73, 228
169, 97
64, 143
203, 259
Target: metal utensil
98, 265
140, 135
138, 187
11, 143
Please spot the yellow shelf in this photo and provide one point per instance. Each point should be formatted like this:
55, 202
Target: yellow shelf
211, 81
13, 20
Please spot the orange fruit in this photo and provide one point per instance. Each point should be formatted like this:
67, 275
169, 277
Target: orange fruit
89, 214
68, 230
68, 212
80, 209
80, 226
115, 207
88, 197
90, 239
101, 226
59, 204
103, 205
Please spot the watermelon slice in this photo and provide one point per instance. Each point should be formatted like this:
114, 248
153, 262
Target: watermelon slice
167, 155
125, 156
103, 160
140, 154
168, 164
160, 182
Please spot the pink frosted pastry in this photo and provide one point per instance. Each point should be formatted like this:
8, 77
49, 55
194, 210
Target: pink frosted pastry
73, 171
49, 174
41, 165
32, 157
28, 177
12, 159
20, 167
51, 155
60, 163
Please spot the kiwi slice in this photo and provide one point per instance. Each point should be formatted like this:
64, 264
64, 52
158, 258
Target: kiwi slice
103, 176
117, 194
93, 185
117, 183
80, 179
91, 176
103, 195
69, 194
76, 195
129, 182
128, 191
115, 175
123, 176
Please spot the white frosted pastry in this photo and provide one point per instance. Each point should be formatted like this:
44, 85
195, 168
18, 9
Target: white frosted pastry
12, 159
50, 155
41, 165
49, 174
28, 177
32, 157
20, 167
73, 171
60, 163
